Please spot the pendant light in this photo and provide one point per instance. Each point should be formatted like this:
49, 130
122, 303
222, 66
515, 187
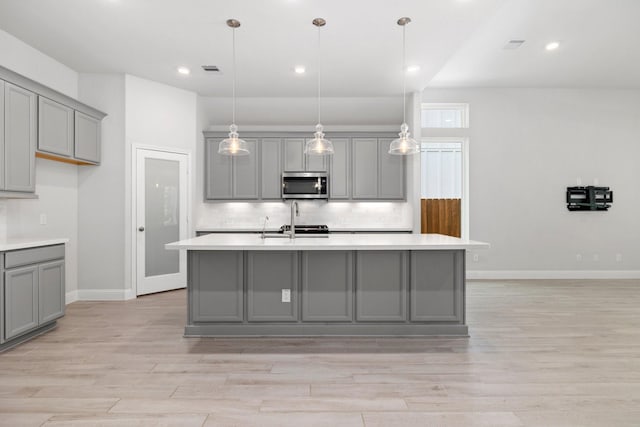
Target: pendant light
233, 146
318, 146
405, 144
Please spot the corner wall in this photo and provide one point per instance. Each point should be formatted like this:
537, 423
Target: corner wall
526, 146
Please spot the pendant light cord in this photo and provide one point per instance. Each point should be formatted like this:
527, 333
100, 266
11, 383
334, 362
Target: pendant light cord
404, 74
319, 75
233, 90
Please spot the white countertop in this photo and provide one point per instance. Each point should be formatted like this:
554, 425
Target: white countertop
24, 243
275, 230
240, 242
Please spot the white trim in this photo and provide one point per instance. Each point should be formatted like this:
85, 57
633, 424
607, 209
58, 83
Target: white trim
465, 231
105, 294
135, 147
457, 106
71, 296
551, 274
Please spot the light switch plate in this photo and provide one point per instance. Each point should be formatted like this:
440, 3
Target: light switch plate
286, 295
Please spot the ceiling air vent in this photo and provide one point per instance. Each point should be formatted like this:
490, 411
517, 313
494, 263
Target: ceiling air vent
513, 44
211, 68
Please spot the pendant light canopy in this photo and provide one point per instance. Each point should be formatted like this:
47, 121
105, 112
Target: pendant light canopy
233, 146
318, 146
404, 144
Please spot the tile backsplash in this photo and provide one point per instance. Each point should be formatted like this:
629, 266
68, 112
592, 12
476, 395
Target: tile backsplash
364, 215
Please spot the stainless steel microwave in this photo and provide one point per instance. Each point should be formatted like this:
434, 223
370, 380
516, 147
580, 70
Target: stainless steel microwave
305, 185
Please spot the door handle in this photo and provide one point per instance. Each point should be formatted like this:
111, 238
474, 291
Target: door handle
141, 228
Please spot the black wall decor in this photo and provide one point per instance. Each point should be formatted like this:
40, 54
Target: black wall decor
589, 198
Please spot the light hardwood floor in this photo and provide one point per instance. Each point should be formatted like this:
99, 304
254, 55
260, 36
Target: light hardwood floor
541, 353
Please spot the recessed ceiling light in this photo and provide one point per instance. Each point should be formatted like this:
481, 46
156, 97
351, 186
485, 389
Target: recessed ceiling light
552, 46
184, 70
413, 68
299, 69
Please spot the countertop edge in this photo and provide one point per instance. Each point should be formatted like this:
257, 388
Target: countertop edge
15, 244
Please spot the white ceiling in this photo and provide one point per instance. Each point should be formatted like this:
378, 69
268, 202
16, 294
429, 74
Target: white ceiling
455, 42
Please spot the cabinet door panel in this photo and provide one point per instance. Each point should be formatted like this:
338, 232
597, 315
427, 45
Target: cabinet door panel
268, 273
314, 163
391, 172
339, 169
327, 286
381, 285
364, 174
294, 154
55, 127
217, 279
217, 172
437, 284
51, 291
245, 173
87, 138
2, 117
271, 171
21, 300
19, 139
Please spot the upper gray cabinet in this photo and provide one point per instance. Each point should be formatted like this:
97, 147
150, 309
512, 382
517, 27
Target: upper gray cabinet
19, 139
375, 173
271, 169
229, 177
295, 160
339, 167
87, 138
55, 127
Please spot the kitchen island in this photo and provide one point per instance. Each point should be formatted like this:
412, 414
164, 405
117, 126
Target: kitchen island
364, 284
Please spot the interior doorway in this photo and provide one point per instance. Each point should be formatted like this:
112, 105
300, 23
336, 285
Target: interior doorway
444, 186
160, 203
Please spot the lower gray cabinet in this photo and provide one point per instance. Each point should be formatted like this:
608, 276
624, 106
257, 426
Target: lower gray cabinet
21, 300
437, 286
51, 291
217, 279
268, 274
381, 285
327, 286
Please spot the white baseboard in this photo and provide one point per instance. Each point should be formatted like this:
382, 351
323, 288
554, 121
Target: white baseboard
105, 294
551, 274
70, 297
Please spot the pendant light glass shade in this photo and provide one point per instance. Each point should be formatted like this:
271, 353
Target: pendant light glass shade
318, 146
233, 145
404, 145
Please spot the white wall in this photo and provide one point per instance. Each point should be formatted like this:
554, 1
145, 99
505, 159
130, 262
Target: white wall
285, 114
101, 189
56, 183
526, 147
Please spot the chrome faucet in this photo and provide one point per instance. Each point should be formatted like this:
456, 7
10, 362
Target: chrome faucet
264, 227
294, 214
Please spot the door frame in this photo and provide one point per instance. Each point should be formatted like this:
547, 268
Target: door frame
464, 223
134, 197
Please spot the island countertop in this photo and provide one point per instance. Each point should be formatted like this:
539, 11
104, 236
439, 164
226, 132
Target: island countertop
240, 242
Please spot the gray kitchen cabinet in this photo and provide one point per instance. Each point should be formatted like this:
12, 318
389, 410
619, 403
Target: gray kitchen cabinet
20, 130
217, 286
339, 167
296, 161
51, 291
381, 285
437, 286
55, 127
391, 172
33, 291
327, 286
231, 177
271, 169
21, 300
2, 159
268, 274
87, 138
364, 168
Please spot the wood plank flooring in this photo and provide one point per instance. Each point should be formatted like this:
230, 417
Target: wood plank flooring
541, 353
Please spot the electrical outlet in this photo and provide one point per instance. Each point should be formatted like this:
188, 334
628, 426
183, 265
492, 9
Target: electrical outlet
578, 257
286, 295
596, 257
476, 258
43, 219
618, 257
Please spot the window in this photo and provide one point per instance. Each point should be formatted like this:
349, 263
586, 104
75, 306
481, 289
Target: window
454, 116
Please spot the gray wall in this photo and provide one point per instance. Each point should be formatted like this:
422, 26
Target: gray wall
526, 147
